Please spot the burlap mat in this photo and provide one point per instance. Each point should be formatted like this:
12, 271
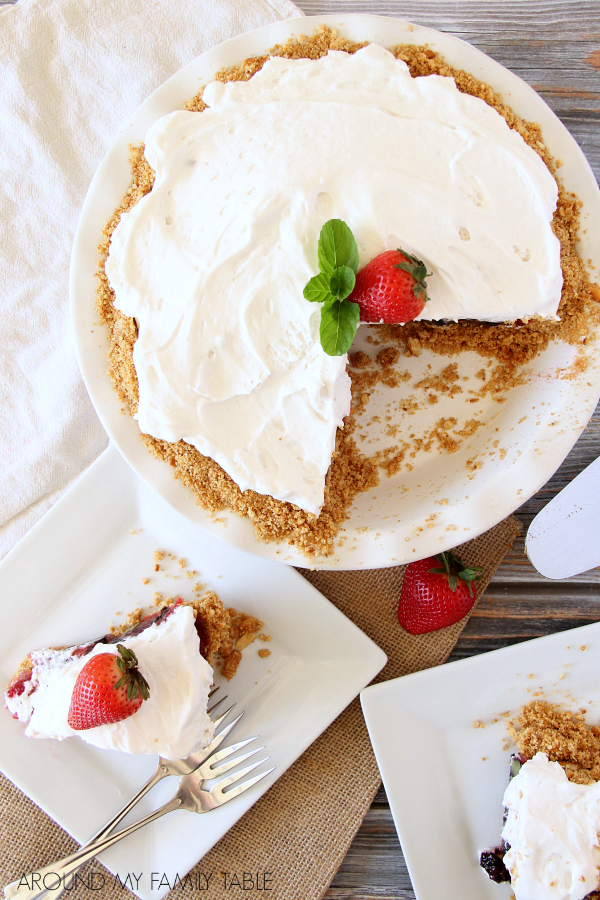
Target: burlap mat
294, 839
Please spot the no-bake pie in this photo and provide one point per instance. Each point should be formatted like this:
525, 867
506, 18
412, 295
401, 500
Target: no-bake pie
212, 345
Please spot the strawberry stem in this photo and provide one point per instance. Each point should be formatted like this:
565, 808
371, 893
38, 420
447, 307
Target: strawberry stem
417, 269
455, 570
132, 677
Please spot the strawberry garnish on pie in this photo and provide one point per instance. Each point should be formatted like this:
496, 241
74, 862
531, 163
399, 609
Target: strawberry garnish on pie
391, 288
108, 689
436, 592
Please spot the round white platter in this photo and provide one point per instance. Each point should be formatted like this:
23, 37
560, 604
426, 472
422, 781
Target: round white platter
439, 499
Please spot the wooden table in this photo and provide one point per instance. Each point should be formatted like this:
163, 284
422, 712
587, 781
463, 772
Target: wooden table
555, 47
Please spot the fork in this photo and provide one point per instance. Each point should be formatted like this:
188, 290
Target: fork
189, 796
165, 768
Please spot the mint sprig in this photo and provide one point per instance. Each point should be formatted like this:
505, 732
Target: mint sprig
337, 247
338, 262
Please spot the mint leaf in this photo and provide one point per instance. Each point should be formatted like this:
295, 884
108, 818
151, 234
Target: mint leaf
317, 290
339, 321
337, 247
338, 262
341, 282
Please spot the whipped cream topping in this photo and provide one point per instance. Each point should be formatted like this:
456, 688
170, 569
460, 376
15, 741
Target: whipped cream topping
172, 722
552, 828
213, 261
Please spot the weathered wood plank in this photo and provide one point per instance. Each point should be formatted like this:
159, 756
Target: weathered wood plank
516, 567
374, 866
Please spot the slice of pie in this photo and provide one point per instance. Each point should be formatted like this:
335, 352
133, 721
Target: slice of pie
550, 847
174, 649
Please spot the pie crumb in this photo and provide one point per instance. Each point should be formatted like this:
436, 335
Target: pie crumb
562, 735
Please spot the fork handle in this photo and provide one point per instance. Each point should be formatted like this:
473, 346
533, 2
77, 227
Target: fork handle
59, 871
12, 890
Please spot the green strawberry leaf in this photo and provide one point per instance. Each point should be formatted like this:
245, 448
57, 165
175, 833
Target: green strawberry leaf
471, 573
337, 247
417, 269
132, 677
317, 289
341, 282
143, 687
339, 321
456, 571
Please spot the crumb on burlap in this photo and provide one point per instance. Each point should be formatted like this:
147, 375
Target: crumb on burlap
562, 735
351, 472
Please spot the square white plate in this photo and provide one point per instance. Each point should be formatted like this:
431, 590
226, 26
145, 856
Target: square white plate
62, 585
444, 777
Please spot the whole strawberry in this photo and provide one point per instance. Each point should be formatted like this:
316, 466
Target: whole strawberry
434, 596
108, 689
391, 288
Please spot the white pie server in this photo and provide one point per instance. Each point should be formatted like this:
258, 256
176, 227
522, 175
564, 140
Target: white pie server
564, 538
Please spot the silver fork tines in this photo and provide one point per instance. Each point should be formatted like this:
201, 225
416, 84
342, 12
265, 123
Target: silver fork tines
189, 796
165, 767
211, 769
211, 710
195, 799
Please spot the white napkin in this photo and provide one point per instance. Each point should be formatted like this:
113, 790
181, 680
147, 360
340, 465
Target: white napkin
72, 72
